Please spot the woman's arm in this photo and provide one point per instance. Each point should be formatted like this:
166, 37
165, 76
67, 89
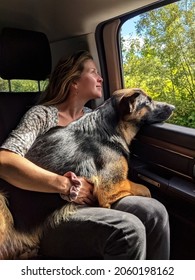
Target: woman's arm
24, 174
19, 171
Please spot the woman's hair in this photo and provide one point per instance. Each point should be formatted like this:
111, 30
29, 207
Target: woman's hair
65, 73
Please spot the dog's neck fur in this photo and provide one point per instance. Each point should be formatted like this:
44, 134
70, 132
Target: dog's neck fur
105, 122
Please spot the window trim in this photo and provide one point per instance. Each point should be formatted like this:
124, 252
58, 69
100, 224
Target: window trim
106, 56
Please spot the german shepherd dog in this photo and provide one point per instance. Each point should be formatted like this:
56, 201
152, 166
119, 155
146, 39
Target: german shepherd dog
95, 147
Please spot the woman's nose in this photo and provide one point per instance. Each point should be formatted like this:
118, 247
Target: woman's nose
100, 79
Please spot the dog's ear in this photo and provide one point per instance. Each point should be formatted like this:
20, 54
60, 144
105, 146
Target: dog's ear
126, 103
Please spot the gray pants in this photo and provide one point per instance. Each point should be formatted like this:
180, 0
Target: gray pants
135, 228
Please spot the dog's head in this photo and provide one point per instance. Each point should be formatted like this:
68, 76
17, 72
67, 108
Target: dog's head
136, 106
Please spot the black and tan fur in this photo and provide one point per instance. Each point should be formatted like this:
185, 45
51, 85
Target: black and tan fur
95, 147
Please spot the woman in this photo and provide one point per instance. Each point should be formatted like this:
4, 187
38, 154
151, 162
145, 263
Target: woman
135, 227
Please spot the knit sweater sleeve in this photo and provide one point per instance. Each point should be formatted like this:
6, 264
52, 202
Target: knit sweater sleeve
38, 120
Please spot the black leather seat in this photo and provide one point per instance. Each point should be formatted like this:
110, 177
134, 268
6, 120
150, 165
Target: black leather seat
24, 55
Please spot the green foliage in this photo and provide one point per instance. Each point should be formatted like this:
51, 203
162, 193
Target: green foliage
18, 85
22, 85
3, 85
160, 59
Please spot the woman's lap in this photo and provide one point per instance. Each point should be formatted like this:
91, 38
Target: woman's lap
99, 233
155, 218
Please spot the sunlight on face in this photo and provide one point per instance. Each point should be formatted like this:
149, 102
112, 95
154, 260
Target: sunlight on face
90, 82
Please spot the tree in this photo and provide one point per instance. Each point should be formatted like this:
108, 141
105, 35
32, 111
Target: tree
161, 58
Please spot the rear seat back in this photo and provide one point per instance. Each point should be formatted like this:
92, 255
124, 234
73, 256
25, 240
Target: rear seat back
12, 107
24, 55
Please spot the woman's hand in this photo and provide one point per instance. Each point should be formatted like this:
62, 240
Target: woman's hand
85, 194
81, 191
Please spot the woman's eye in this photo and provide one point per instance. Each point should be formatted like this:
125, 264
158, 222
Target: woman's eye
95, 71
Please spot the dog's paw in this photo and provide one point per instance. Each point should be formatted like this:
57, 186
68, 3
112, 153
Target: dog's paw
140, 190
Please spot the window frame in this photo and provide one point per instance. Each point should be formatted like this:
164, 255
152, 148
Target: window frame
174, 186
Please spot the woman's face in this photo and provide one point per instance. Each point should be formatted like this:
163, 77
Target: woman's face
89, 86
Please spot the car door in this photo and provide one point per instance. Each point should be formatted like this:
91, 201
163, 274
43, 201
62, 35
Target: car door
152, 48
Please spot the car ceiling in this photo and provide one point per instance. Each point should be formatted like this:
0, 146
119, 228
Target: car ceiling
60, 19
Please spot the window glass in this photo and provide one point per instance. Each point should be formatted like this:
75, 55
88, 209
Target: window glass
22, 85
4, 86
158, 50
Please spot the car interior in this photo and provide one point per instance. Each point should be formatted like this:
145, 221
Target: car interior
34, 35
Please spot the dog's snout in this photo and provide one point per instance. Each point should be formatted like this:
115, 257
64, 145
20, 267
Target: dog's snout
172, 107
169, 108
165, 106
161, 112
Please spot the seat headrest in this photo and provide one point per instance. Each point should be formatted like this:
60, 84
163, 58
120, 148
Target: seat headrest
24, 54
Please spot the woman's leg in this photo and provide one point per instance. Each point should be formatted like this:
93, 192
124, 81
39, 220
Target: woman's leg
156, 221
96, 233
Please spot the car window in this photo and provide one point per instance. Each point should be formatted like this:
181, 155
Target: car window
157, 50
22, 85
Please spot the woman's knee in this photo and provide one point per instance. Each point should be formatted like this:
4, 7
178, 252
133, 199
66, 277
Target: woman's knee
121, 234
155, 218
159, 211
148, 210
129, 239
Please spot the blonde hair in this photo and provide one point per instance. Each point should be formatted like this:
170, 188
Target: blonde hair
65, 73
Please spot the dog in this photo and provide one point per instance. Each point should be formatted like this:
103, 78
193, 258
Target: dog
95, 147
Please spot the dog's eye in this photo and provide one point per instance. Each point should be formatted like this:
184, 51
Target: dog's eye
148, 101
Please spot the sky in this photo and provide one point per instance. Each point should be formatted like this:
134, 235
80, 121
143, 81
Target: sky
129, 27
